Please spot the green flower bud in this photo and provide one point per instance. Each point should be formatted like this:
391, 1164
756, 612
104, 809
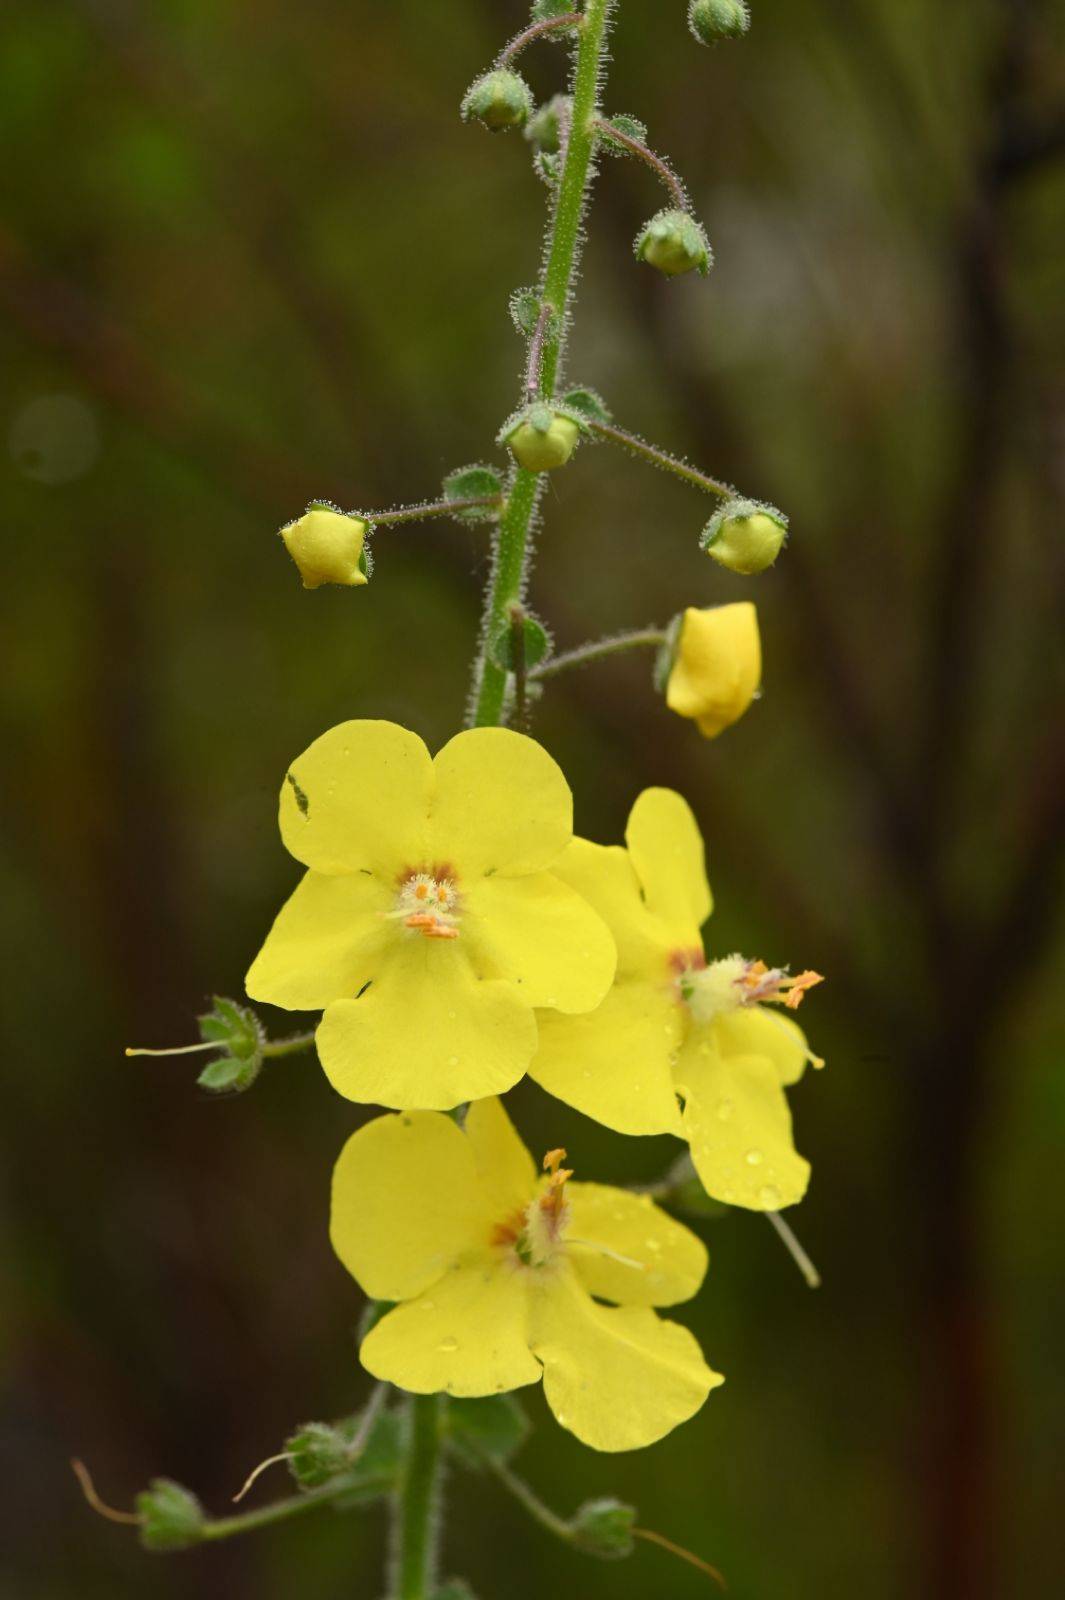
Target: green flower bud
543, 439
544, 128
328, 547
745, 536
603, 1528
500, 99
171, 1517
675, 243
317, 1454
711, 20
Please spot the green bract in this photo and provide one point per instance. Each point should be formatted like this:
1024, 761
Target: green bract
501, 99
675, 243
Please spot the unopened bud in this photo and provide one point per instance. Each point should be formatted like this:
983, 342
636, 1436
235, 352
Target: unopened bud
171, 1517
500, 99
745, 536
544, 128
716, 666
603, 1528
543, 439
328, 547
711, 20
675, 243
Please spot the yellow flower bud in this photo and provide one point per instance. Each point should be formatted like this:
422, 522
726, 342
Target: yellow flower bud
542, 443
717, 666
327, 547
745, 536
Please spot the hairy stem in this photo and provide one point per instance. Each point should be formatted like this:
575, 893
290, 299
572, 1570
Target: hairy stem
660, 168
274, 1048
417, 1519
509, 52
513, 543
598, 649
660, 458
265, 1516
429, 509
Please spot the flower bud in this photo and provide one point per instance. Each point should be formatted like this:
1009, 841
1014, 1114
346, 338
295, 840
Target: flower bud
675, 243
603, 1528
544, 128
327, 547
171, 1517
711, 20
543, 439
745, 536
500, 99
716, 666
317, 1454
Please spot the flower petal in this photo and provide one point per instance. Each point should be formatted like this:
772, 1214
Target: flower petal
538, 933
501, 805
325, 943
624, 1248
667, 851
737, 1122
617, 1378
406, 1203
468, 1335
505, 1168
605, 876
761, 1031
614, 1064
358, 799
427, 1033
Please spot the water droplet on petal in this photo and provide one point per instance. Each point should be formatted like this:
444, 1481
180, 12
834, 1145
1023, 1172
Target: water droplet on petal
452, 1061
769, 1196
754, 1158
654, 1245
448, 1346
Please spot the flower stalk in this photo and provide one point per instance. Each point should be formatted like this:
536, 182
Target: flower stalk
416, 1505
514, 539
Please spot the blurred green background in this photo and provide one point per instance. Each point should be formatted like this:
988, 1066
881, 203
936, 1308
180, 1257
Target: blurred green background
250, 255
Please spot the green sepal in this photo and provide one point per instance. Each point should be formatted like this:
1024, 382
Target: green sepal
587, 403
631, 127
474, 483
538, 645
239, 1035
171, 1517
667, 654
495, 1427
320, 1454
548, 166
603, 1528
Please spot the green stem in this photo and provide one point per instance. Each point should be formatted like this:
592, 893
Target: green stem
513, 543
572, 19
660, 458
660, 168
532, 1503
280, 1511
273, 1048
429, 509
597, 649
417, 1519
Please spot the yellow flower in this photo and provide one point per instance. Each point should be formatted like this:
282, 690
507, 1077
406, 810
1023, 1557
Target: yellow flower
675, 1026
327, 547
718, 666
496, 1271
430, 924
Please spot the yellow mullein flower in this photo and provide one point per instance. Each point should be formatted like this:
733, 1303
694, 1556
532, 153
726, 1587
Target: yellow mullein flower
430, 924
677, 1029
717, 666
500, 1275
327, 547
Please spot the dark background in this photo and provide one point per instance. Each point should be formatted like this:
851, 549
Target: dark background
251, 255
